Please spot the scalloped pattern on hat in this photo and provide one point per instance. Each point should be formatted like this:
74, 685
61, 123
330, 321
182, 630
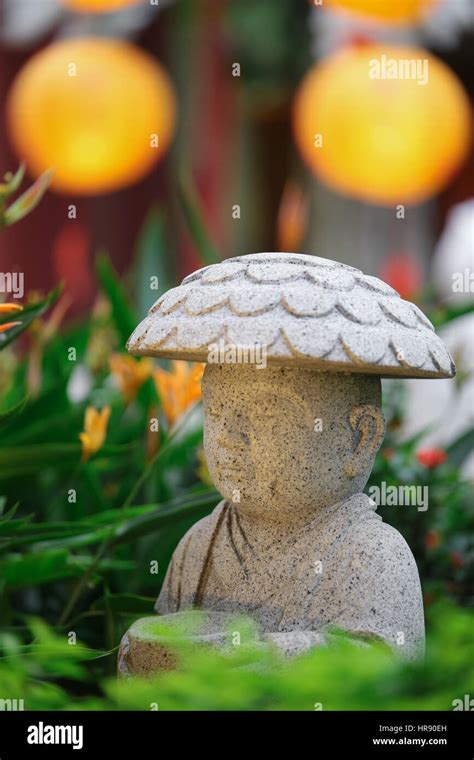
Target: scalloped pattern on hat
307, 311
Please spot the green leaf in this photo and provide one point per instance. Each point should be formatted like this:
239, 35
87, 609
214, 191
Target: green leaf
60, 535
27, 202
447, 314
49, 412
153, 260
12, 182
14, 411
7, 516
195, 220
123, 316
16, 461
125, 603
34, 569
174, 511
459, 450
19, 570
37, 456
26, 317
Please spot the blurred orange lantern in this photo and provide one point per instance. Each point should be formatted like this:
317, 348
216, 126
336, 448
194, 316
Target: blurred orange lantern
99, 112
100, 6
385, 124
386, 11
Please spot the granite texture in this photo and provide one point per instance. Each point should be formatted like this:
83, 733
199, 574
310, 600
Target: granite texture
294, 543
305, 310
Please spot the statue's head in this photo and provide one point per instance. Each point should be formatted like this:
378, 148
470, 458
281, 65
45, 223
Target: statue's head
303, 432
289, 441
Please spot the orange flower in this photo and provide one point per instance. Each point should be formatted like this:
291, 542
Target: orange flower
432, 539
9, 308
8, 325
130, 374
95, 430
431, 458
292, 218
179, 388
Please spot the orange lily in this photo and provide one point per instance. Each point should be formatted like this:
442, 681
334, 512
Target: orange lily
9, 308
292, 217
8, 325
130, 374
95, 430
179, 388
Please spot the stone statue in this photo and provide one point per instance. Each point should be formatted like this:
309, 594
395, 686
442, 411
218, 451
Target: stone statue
290, 442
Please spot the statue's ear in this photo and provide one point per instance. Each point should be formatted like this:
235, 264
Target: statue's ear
368, 425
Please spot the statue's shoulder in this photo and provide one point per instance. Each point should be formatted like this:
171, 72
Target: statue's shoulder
379, 544
361, 532
201, 533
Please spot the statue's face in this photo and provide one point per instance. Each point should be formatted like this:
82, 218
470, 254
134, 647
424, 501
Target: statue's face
281, 439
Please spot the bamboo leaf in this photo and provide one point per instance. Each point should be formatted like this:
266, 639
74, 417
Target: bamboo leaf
14, 411
195, 221
34, 569
16, 461
28, 201
175, 511
123, 316
153, 260
460, 449
125, 603
26, 317
12, 182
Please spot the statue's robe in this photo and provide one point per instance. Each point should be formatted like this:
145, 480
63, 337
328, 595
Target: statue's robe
345, 568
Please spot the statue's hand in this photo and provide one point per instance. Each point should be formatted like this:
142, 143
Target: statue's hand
293, 643
147, 646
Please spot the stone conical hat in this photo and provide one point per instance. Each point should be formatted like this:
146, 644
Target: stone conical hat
306, 311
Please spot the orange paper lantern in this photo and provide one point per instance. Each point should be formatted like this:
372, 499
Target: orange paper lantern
385, 11
101, 6
386, 125
99, 112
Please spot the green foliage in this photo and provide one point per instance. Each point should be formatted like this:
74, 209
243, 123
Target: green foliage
26, 317
247, 676
270, 70
123, 317
194, 219
78, 538
27, 202
442, 535
152, 261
